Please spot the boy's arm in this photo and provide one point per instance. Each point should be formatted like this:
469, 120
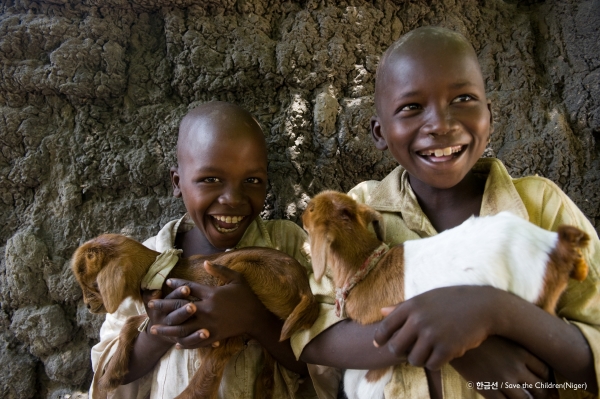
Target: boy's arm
440, 325
228, 311
149, 348
349, 345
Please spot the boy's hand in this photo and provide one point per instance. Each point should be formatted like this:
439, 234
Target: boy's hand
226, 311
439, 325
160, 311
498, 360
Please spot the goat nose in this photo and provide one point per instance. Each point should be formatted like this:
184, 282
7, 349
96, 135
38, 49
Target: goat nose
88, 306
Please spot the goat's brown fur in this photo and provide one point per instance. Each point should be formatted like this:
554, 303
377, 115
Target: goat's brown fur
338, 228
566, 260
111, 267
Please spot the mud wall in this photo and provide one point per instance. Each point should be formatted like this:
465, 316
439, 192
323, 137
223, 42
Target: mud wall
92, 91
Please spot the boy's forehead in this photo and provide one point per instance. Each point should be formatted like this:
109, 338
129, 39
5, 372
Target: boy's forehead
423, 48
213, 123
429, 39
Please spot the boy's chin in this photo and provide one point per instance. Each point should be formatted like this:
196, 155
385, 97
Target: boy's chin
227, 240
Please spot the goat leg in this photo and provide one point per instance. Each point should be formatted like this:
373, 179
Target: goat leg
118, 366
205, 382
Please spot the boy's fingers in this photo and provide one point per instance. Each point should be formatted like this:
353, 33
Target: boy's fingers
200, 338
538, 368
401, 344
172, 305
438, 357
225, 274
180, 331
192, 288
388, 326
180, 292
539, 372
203, 333
387, 310
419, 354
149, 295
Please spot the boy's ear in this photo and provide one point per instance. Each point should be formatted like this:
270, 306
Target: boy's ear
175, 181
378, 138
489, 105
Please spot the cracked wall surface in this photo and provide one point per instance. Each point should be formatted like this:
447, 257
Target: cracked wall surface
91, 94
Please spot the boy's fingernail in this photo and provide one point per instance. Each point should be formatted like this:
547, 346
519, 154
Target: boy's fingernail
153, 330
215, 344
189, 308
178, 346
185, 290
375, 344
151, 305
169, 282
202, 334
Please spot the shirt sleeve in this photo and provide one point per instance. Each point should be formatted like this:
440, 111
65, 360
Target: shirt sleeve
580, 303
103, 351
293, 240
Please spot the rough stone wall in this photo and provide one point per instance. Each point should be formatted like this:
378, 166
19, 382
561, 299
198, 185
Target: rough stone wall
92, 91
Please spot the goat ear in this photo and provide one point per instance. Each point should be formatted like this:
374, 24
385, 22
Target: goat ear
112, 285
319, 246
370, 215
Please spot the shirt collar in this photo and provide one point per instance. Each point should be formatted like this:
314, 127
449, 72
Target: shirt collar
394, 194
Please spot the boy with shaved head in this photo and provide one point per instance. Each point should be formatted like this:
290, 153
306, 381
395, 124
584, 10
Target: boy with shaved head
222, 178
434, 118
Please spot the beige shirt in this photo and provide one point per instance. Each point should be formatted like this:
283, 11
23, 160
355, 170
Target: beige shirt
534, 198
175, 369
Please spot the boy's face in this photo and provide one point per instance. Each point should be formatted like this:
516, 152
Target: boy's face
433, 114
222, 178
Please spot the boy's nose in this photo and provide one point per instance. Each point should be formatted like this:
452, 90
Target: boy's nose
439, 121
232, 196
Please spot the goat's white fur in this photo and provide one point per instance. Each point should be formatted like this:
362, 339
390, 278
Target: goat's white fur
512, 257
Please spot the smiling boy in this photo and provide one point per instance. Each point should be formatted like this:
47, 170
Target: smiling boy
434, 118
222, 178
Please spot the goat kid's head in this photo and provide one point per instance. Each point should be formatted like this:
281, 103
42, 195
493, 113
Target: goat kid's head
334, 222
98, 266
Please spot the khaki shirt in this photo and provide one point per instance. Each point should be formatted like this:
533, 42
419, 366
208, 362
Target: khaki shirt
175, 369
534, 198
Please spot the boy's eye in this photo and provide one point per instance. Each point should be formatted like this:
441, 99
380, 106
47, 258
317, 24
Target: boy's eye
463, 98
210, 180
409, 107
253, 180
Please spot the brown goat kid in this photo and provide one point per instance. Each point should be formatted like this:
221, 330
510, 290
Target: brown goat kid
111, 267
503, 251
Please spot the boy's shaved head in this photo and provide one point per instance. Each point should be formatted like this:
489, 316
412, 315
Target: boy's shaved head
216, 121
422, 41
221, 173
432, 111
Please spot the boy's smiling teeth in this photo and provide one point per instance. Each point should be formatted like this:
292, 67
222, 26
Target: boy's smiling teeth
229, 220
440, 152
